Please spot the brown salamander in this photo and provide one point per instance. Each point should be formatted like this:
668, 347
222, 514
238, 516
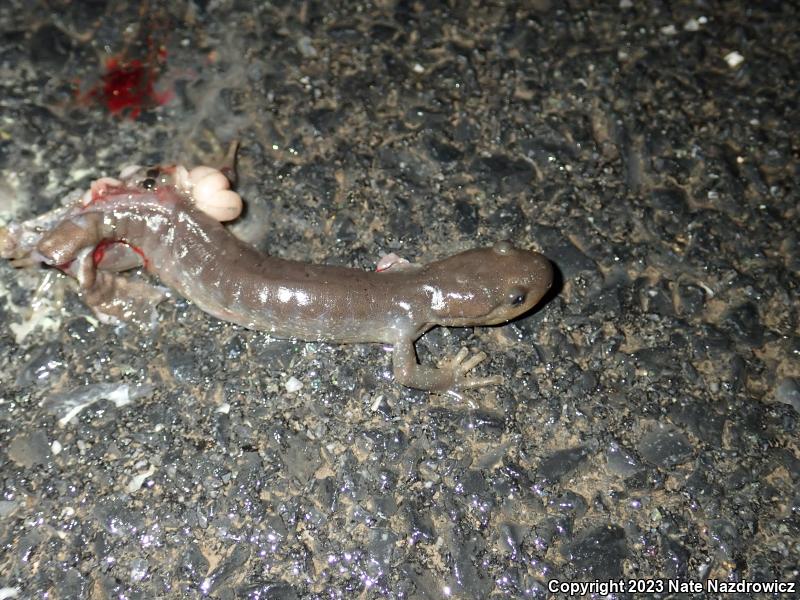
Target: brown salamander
152, 217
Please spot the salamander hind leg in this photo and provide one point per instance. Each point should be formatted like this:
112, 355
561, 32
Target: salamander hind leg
115, 298
118, 299
450, 376
72, 247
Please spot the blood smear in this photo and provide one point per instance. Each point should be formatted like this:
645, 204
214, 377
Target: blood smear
128, 86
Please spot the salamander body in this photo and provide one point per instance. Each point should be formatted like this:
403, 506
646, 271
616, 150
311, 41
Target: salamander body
155, 222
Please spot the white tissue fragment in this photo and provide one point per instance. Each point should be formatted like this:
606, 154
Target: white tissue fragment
73, 402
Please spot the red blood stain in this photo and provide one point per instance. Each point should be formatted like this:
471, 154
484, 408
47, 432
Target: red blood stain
100, 251
128, 86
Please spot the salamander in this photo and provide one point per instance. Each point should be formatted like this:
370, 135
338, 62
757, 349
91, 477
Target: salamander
152, 218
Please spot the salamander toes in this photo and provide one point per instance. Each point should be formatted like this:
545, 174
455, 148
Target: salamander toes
461, 364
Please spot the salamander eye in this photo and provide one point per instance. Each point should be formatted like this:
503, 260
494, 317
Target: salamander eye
148, 184
516, 297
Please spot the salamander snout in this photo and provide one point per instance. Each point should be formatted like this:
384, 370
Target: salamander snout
521, 279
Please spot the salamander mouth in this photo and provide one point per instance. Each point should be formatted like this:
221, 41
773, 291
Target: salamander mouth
515, 307
498, 316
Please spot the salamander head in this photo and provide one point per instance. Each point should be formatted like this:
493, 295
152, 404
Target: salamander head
487, 286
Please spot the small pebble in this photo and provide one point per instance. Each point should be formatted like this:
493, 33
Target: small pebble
734, 59
293, 385
788, 392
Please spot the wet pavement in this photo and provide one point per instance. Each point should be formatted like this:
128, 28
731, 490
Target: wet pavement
647, 425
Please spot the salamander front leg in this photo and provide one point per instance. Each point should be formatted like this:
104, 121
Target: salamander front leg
451, 374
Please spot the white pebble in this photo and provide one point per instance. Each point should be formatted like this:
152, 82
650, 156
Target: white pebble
734, 59
691, 25
128, 170
137, 480
293, 385
306, 47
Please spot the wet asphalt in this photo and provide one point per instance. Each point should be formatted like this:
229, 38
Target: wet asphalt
647, 426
